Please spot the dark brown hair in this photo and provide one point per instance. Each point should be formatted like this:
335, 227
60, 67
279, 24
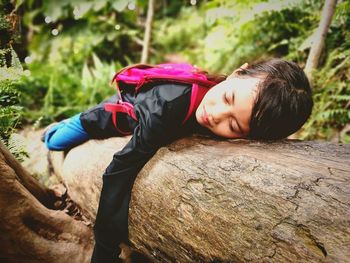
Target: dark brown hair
284, 100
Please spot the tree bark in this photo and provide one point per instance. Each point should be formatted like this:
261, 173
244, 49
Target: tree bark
30, 232
320, 36
205, 200
148, 30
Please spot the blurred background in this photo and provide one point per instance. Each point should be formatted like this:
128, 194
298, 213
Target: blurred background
57, 57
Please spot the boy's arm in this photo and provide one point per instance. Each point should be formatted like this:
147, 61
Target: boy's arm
94, 123
160, 113
111, 226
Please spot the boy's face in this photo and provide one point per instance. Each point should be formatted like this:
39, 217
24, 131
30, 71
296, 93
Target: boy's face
226, 109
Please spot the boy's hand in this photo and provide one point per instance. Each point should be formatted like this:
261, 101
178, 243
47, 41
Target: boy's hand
42, 137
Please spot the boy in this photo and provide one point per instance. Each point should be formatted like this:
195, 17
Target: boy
267, 100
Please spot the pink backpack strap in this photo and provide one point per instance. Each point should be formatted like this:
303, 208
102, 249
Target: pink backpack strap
197, 94
120, 106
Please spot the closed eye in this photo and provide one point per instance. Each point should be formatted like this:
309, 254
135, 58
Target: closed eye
229, 99
235, 127
232, 126
225, 98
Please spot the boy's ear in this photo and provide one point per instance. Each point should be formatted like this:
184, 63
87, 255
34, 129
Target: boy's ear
234, 73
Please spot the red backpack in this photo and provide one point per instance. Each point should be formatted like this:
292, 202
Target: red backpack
141, 74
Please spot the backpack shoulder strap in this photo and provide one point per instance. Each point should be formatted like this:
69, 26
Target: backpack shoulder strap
197, 94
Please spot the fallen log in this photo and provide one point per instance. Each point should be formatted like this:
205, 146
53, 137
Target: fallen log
206, 200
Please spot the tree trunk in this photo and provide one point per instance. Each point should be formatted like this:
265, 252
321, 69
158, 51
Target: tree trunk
204, 200
320, 36
148, 30
30, 232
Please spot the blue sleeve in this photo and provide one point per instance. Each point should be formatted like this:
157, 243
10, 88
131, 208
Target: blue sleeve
66, 134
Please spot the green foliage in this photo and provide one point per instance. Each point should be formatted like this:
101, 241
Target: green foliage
64, 90
8, 94
332, 95
10, 72
74, 45
222, 35
78, 28
93, 80
331, 114
10, 110
66, 74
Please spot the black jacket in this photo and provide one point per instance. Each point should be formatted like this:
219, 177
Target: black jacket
160, 111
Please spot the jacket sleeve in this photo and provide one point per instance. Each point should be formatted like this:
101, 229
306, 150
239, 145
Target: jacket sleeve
97, 122
111, 226
66, 134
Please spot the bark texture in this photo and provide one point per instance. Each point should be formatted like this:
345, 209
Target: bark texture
30, 231
205, 200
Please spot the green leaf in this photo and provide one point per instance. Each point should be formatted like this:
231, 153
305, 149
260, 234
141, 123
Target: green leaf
97, 62
120, 5
18, 3
86, 77
82, 8
281, 43
15, 63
